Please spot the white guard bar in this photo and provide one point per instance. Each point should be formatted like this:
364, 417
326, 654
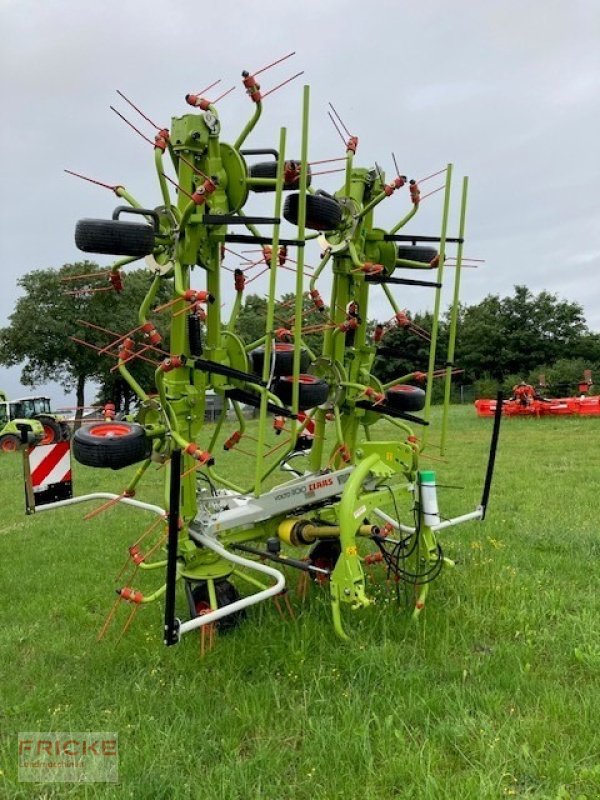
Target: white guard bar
84, 498
207, 541
446, 523
250, 600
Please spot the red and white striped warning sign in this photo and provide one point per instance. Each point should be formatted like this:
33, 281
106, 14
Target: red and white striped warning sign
49, 477
49, 463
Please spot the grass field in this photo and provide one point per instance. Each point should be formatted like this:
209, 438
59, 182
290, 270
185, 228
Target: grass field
493, 693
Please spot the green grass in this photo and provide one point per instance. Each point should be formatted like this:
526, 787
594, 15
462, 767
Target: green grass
492, 694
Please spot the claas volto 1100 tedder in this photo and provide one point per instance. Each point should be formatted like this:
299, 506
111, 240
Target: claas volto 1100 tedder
345, 497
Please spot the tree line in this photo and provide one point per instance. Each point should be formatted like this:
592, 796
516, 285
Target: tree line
500, 341
58, 313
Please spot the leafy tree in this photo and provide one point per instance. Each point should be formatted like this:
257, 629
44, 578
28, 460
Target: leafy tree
402, 350
124, 317
284, 316
251, 320
588, 348
480, 339
250, 323
564, 376
52, 314
485, 386
516, 334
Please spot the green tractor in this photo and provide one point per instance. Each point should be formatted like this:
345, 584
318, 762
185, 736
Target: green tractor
34, 412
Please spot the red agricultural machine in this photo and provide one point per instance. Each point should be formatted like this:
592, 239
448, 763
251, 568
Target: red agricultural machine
527, 401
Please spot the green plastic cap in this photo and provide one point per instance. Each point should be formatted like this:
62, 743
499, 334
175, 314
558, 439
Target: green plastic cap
427, 476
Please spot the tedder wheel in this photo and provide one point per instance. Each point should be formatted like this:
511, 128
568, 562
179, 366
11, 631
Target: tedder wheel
313, 391
404, 397
226, 594
9, 443
111, 444
52, 430
414, 253
322, 213
114, 238
324, 554
284, 359
268, 169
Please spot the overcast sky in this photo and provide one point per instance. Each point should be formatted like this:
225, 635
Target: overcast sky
505, 90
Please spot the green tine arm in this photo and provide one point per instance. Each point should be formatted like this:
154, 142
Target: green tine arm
438, 297
300, 260
454, 314
249, 127
270, 317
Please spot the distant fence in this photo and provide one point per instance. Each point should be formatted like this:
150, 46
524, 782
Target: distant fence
463, 394
459, 394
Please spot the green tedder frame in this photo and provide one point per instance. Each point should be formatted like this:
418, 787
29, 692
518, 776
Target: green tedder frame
355, 500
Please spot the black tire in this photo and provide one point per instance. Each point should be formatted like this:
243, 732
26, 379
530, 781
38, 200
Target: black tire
404, 397
52, 430
322, 213
111, 444
324, 554
284, 359
114, 238
9, 443
423, 255
65, 430
313, 391
268, 169
226, 594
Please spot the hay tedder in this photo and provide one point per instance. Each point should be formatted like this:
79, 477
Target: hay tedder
321, 481
527, 401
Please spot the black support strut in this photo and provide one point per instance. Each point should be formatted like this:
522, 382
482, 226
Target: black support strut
290, 562
400, 281
234, 219
382, 408
489, 474
171, 623
242, 238
389, 237
253, 400
228, 372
